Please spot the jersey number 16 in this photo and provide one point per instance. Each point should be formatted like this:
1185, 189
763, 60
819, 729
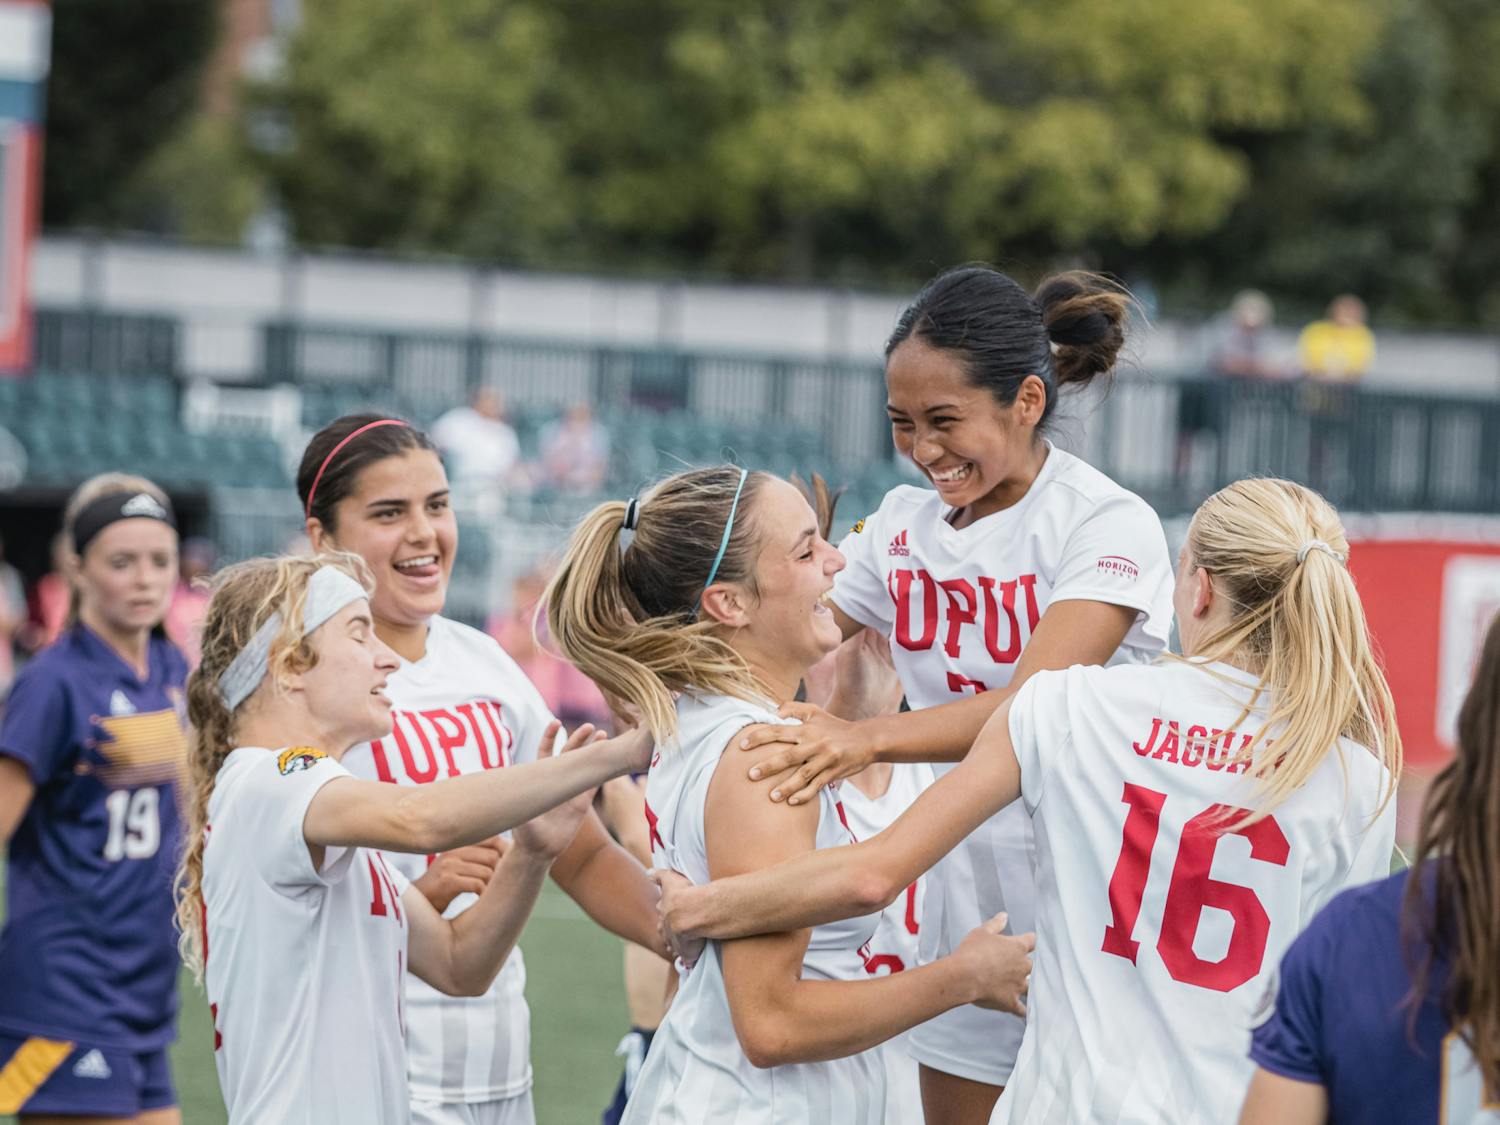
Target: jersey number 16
1191, 890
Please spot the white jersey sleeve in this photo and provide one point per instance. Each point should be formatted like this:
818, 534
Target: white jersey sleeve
277, 800
1118, 555
1039, 728
860, 589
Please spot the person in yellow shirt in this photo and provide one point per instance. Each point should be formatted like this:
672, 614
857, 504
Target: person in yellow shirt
1341, 348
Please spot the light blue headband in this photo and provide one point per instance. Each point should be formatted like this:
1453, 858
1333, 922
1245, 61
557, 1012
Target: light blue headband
724, 542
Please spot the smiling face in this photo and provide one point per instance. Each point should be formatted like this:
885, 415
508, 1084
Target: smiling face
398, 519
126, 576
787, 627
974, 450
345, 689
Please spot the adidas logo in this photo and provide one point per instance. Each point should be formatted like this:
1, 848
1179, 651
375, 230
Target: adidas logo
92, 1065
119, 704
898, 545
143, 504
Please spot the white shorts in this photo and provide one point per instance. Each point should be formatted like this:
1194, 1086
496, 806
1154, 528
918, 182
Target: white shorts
508, 1111
990, 871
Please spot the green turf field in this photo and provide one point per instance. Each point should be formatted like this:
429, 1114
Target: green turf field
578, 1014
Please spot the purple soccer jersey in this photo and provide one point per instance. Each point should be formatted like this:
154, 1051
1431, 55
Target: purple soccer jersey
88, 951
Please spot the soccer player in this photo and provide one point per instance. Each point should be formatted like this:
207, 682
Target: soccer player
91, 748
303, 932
1387, 1008
1023, 558
711, 587
375, 486
1191, 816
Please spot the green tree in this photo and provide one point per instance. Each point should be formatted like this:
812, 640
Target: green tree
409, 125
125, 78
1387, 204
817, 138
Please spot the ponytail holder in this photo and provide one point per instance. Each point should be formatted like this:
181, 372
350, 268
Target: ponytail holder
632, 511
1317, 545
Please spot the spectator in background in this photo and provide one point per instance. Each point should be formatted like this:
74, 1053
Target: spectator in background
1341, 348
50, 598
569, 694
476, 442
184, 621
1243, 349
12, 619
575, 452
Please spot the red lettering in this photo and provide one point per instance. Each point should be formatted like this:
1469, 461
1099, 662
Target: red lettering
911, 909
424, 774
213, 1015
958, 616
888, 961
992, 611
653, 836
957, 684
901, 595
467, 711
1213, 759
1192, 890
1143, 751
382, 763
1167, 751
501, 732
1127, 886
450, 734
1193, 746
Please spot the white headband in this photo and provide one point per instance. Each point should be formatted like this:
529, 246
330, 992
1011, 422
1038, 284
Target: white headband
328, 591
1317, 545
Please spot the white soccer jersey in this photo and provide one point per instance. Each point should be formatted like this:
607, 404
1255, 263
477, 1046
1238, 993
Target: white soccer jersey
696, 1073
304, 967
465, 706
960, 605
1158, 931
894, 946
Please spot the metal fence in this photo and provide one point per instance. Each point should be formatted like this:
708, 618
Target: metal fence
1171, 440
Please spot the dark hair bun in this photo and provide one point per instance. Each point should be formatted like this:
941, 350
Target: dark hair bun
1084, 315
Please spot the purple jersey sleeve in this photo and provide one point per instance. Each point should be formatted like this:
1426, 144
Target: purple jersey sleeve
1290, 1041
37, 727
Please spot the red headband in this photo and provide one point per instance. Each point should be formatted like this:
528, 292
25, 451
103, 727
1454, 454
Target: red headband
334, 452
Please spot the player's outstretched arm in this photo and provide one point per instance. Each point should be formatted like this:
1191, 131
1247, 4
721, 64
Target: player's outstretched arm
462, 810
816, 887
462, 956
610, 885
1274, 1100
781, 1018
824, 749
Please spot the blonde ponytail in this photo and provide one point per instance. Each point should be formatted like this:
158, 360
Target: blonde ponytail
627, 617
1277, 551
245, 596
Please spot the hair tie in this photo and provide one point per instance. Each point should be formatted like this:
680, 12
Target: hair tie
724, 542
1317, 545
332, 453
632, 512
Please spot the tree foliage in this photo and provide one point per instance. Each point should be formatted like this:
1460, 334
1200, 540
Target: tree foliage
125, 79
1305, 146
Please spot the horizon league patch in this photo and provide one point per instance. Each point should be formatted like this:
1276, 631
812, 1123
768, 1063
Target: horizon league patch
859, 525
297, 758
1118, 566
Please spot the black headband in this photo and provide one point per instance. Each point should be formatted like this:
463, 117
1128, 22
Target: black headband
113, 508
